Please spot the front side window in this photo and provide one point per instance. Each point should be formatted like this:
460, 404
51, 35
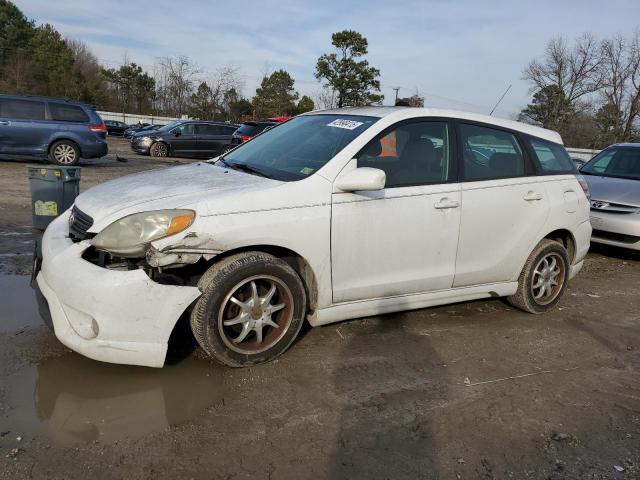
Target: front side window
552, 157
490, 153
67, 113
621, 162
299, 147
415, 153
21, 109
184, 129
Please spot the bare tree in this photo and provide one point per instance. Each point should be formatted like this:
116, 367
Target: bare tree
326, 98
620, 74
175, 80
573, 69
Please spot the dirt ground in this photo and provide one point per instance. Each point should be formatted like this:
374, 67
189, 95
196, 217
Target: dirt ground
472, 390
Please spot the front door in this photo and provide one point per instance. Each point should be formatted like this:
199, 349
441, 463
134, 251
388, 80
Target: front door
402, 239
504, 206
184, 141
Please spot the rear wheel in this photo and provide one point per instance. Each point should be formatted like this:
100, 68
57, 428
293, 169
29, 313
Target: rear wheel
64, 153
543, 278
251, 310
159, 149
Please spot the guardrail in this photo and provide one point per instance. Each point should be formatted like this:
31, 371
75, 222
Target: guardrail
582, 153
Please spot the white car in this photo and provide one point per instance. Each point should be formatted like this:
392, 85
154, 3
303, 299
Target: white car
332, 215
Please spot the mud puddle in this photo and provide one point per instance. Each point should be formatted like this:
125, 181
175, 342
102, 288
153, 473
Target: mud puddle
73, 399
19, 305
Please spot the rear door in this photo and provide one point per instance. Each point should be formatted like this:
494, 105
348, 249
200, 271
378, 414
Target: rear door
23, 128
212, 138
504, 205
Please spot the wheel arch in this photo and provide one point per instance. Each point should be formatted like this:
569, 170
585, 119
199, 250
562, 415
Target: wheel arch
566, 238
298, 262
66, 139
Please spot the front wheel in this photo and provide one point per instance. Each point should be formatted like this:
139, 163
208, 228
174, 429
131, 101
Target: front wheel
159, 149
251, 310
543, 278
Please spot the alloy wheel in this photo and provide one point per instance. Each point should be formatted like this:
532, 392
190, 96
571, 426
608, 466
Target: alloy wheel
548, 278
255, 314
64, 154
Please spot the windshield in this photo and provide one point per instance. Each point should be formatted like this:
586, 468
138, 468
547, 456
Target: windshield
298, 148
620, 162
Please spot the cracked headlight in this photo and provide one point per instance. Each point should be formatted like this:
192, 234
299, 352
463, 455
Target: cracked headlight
130, 236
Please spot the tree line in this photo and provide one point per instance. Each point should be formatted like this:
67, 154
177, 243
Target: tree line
588, 89
37, 60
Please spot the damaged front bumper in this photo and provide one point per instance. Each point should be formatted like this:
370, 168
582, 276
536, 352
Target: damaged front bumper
110, 316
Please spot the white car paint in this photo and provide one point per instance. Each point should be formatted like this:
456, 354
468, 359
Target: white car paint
367, 252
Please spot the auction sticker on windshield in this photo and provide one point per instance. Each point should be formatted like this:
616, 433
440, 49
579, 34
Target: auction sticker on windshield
346, 124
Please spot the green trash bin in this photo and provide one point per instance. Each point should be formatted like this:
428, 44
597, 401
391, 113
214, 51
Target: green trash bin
53, 190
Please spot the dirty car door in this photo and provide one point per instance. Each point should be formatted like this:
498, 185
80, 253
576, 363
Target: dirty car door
401, 239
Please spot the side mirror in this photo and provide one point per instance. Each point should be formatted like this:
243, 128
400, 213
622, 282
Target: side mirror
363, 178
177, 133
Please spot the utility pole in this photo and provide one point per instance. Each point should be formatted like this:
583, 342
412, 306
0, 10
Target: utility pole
397, 89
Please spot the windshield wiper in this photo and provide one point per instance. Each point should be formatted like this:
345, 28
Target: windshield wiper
246, 168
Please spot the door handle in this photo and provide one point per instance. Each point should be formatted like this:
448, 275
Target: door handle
532, 196
5, 122
446, 203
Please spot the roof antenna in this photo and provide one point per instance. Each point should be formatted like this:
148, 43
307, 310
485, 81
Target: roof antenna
503, 95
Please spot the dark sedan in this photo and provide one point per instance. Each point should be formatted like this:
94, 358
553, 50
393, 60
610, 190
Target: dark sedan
196, 139
132, 130
114, 127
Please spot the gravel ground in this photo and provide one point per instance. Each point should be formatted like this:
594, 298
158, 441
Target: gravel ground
472, 390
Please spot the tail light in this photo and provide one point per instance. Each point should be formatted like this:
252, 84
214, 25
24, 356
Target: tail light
585, 186
100, 127
245, 138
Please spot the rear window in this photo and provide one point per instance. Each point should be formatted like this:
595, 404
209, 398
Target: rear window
67, 113
21, 109
551, 156
249, 129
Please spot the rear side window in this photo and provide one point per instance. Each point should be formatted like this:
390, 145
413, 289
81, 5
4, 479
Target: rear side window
67, 113
208, 129
551, 156
490, 153
228, 130
21, 109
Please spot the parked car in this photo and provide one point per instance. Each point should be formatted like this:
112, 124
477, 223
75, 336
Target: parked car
614, 181
185, 139
115, 127
52, 128
137, 128
333, 215
248, 130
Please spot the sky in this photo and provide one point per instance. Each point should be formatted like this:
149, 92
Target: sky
457, 54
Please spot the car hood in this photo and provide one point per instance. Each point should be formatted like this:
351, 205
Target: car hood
196, 186
614, 190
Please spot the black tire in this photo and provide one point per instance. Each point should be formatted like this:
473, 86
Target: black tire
526, 298
228, 280
64, 153
159, 149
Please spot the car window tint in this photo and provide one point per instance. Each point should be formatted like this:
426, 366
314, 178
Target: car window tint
208, 129
551, 156
415, 153
229, 130
490, 153
22, 109
600, 162
67, 113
